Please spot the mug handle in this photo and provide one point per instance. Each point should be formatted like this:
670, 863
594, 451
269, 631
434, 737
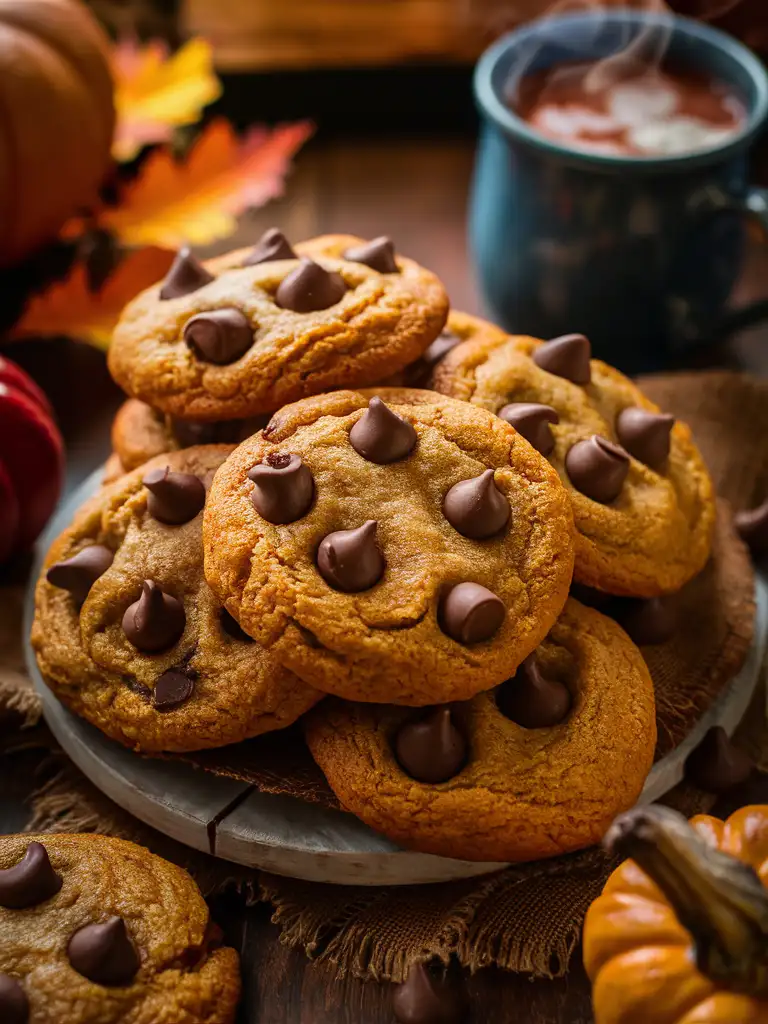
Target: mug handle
754, 206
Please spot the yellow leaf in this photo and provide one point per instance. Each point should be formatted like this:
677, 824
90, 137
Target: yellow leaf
197, 201
69, 308
155, 93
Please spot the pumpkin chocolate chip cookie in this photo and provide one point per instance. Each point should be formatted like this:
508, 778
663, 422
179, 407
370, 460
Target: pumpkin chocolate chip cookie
537, 768
139, 433
642, 498
390, 544
127, 633
249, 331
96, 930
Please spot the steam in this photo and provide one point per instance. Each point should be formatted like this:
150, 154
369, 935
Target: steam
642, 53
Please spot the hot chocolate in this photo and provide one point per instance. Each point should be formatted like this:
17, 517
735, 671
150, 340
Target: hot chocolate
626, 110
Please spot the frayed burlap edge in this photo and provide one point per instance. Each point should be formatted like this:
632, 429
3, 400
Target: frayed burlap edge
20, 706
464, 920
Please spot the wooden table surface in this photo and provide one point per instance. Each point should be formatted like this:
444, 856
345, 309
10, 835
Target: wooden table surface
416, 192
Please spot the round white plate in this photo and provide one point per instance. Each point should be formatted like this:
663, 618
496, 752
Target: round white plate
282, 834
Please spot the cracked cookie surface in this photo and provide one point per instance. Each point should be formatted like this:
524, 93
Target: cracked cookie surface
378, 324
195, 681
522, 793
87, 907
656, 534
354, 581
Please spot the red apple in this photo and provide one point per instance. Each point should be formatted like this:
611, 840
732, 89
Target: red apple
15, 377
32, 457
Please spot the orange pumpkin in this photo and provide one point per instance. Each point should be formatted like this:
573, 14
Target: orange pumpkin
56, 119
680, 932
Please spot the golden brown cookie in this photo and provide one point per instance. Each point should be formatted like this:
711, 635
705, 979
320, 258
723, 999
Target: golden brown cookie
534, 769
127, 633
642, 498
460, 327
232, 338
96, 930
390, 544
140, 433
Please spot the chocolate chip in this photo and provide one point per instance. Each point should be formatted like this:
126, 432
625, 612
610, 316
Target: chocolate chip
172, 688
646, 622
232, 628
752, 527
425, 998
283, 488
378, 254
156, 621
186, 275
533, 700
470, 613
476, 507
78, 573
219, 336
29, 882
567, 356
532, 420
431, 749
310, 287
716, 765
440, 347
418, 373
273, 245
597, 468
14, 1005
645, 435
192, 432
174, 498
381, 436
104, 953
350, 560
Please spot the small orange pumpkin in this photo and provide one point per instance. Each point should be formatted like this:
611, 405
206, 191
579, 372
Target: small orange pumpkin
679, 934
56, 119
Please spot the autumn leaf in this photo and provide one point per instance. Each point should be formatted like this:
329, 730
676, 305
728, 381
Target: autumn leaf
155, 92
197, 201
70, 308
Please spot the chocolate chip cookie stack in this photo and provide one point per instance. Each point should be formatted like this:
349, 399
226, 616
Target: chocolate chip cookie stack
211, 352
388, 558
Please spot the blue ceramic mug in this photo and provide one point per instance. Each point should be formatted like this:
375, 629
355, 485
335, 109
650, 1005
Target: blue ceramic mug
638, 253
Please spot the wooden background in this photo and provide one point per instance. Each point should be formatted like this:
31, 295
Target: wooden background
259, 35
250, 35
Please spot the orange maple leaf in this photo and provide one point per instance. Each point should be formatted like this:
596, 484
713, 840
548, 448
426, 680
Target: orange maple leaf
69, 308
155, 92
197, 201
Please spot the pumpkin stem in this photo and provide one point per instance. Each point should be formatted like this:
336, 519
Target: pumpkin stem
719, 899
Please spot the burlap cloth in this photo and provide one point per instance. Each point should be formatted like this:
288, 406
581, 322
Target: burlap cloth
524, 919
